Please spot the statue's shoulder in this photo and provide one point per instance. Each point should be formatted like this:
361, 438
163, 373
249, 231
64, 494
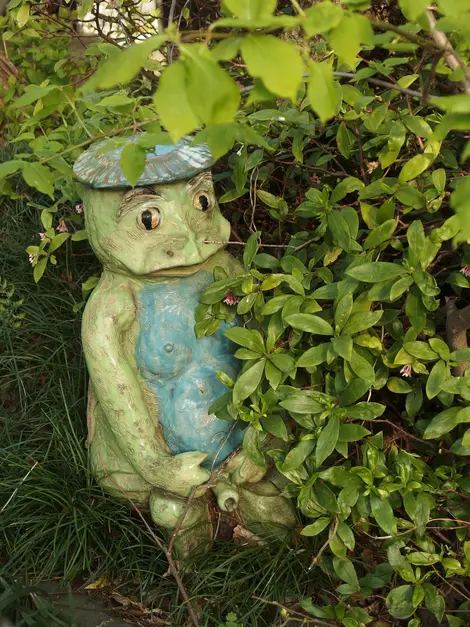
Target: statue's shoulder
114, 296
226, 261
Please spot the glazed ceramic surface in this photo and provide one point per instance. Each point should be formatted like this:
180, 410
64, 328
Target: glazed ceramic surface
152, 382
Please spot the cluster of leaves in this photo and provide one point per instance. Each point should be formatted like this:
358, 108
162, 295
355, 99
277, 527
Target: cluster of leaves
350, 331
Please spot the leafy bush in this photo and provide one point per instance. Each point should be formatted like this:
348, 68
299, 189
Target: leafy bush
347, 165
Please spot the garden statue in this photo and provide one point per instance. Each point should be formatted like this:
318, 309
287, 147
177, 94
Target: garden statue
150, 436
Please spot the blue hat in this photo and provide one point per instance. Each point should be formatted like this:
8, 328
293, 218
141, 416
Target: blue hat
100, 168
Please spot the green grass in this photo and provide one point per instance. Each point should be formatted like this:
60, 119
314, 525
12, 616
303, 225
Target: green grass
57, 522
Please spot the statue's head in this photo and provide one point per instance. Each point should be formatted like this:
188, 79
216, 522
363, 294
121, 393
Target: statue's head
167, 222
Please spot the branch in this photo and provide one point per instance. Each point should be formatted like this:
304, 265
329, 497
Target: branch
381, 83
453, 60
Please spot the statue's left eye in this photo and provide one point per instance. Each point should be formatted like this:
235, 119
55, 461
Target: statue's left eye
148, 219
202, 201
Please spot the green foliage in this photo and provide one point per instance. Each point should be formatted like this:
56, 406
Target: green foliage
346, 178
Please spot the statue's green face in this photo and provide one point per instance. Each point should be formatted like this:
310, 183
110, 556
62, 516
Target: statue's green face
147, 230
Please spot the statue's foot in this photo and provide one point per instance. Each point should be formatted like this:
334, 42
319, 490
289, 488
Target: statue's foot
192, 521
263, 510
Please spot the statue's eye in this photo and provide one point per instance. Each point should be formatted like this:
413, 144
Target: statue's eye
148, 219
202, 201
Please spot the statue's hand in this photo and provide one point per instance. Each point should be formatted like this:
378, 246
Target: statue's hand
184, 472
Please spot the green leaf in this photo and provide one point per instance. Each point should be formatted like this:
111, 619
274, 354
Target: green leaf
133, 162
33, 94
439, 179
414, 401
420, 350
380, 234
283, 361
296, 456
343, 310
310, 324
321, 90
460, 202
400, 602
322, 17
22, 17
365, 411
345, 141
57, 241
415, 311
435, 603
172, 102
116, 100
347, 536
39, 269
362, 368
313, 357
397, 137
252, 448
40, 177
301, 404
273, 423
246, 337
442, 423
414, 167
276, 62
345, 570
248, 382
398, 386
346, 38
353, 392
315, 528
422, 558
416, 240
383, 514
436, 378
362, 321
352, 433
212, 94
9, 167
377, 271
327, 441
250, 250
417, 125
250, 9
343, 346
130, 61
339, 230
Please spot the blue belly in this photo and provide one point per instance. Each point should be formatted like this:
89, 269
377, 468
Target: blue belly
181, 370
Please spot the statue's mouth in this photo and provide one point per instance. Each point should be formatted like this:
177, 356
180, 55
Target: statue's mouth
179, 271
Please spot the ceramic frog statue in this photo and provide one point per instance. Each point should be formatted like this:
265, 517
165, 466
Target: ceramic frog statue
150, 436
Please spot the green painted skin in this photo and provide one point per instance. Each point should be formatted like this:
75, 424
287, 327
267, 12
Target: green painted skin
144, 236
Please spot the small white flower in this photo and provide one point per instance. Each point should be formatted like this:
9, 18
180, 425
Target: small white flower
465, 271
62, 228
32, 258
406, 370
43, 236
371, 166
79, 208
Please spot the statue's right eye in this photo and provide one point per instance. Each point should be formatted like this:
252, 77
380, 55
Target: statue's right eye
148, 219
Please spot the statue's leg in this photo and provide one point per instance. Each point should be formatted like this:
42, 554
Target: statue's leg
195, 530
263, 510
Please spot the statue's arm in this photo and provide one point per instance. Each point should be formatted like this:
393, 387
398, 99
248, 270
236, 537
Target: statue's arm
109, 313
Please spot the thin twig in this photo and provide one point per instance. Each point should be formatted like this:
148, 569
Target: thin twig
314, 621
325, 545
172, 567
